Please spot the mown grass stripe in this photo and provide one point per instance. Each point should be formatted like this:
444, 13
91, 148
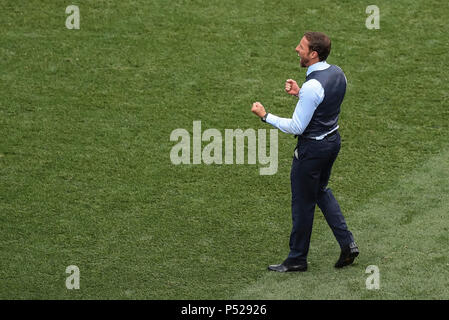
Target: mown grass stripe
404, 231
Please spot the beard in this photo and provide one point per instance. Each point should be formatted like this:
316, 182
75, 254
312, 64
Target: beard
304, 62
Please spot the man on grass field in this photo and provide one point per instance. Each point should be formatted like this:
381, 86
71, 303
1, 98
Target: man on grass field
315, 124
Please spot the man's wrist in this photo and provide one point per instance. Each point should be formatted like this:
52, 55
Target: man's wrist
264, 118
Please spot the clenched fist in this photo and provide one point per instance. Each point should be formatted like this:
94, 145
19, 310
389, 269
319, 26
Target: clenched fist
258, 109
291, 87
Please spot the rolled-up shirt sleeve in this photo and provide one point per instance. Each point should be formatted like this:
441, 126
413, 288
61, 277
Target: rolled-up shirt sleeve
310, 96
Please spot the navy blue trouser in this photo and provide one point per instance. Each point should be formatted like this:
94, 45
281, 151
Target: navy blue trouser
309, 177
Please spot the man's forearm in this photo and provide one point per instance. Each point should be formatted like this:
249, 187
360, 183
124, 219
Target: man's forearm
292, 126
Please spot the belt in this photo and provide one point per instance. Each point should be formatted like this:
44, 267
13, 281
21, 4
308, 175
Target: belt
314, 138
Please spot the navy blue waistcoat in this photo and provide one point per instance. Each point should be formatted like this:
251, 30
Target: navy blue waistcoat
325, 117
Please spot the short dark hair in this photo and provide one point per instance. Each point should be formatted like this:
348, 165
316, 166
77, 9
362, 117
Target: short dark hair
320, 43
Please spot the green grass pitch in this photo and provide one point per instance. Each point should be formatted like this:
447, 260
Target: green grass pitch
86, 177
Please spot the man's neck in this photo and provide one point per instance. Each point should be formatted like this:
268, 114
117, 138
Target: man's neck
315, 62
319, 65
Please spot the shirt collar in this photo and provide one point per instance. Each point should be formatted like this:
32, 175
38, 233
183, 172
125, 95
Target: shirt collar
321, 65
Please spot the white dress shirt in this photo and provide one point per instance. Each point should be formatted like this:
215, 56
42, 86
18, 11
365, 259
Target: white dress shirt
311, 95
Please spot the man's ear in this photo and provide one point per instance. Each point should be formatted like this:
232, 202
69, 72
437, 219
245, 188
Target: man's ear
314, 54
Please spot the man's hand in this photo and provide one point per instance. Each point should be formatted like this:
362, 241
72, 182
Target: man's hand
291, 87
258, 109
